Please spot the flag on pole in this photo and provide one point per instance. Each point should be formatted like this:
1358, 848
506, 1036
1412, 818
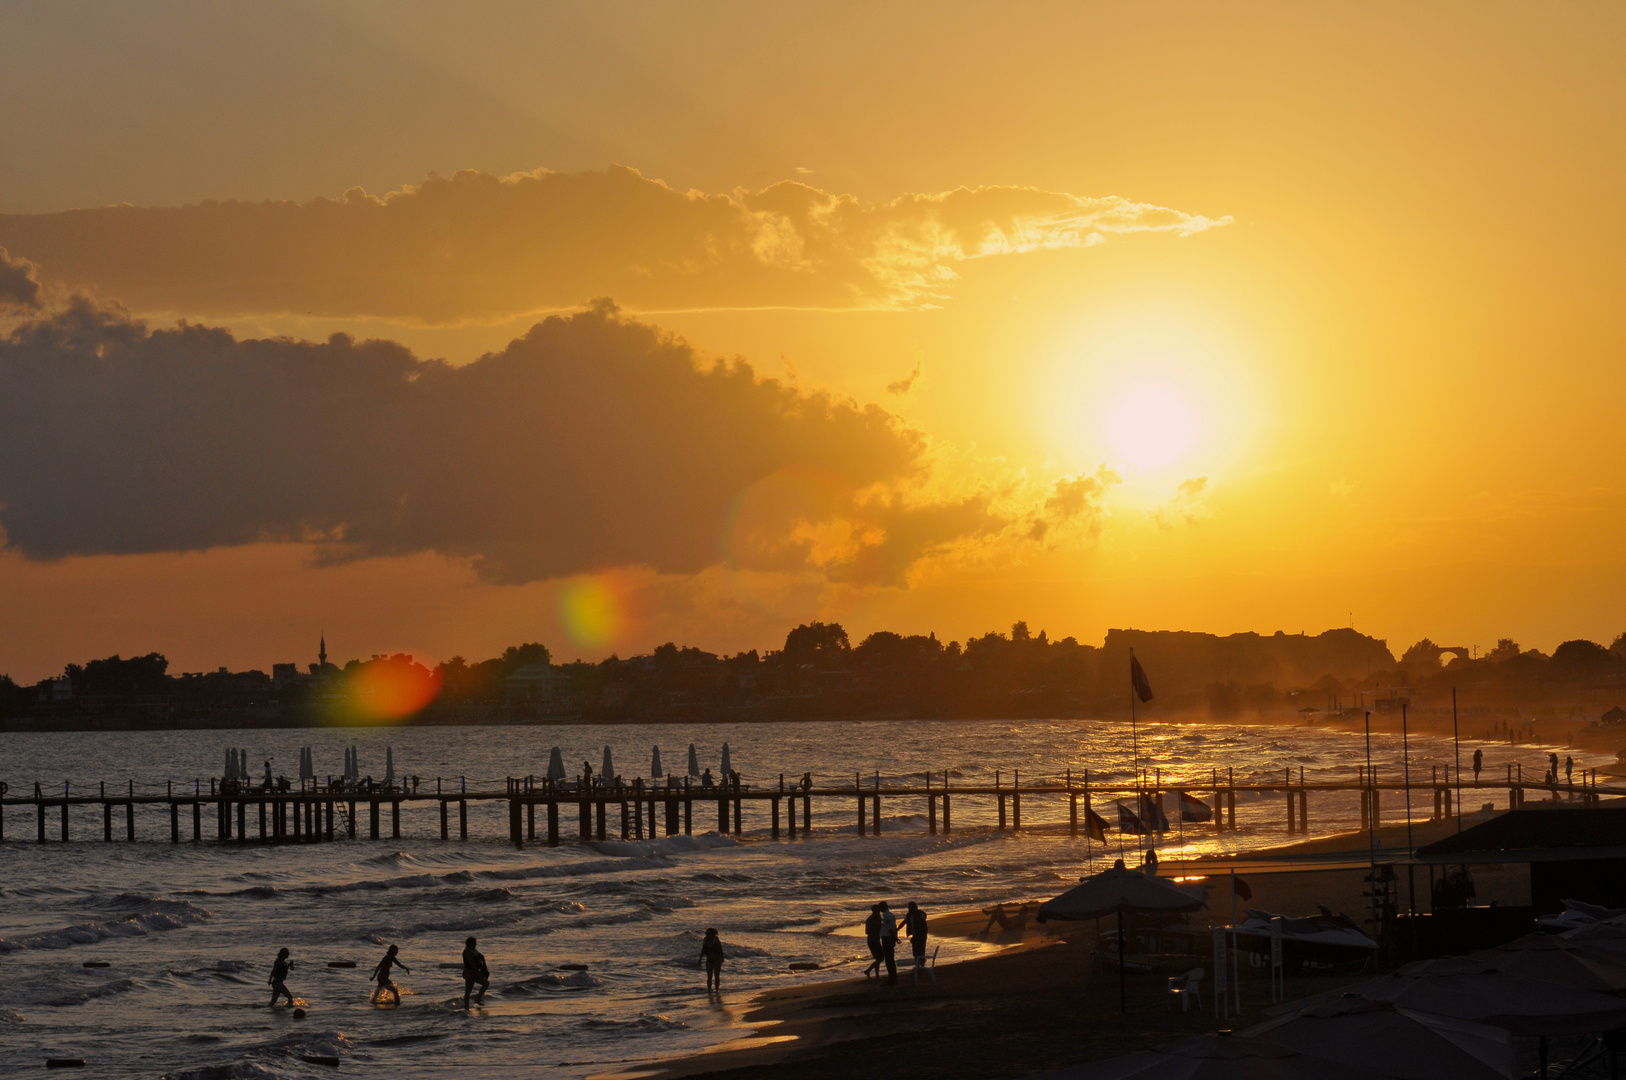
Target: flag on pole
1129, 821
1137, 678
1152, 814
1194, 809
1095, 826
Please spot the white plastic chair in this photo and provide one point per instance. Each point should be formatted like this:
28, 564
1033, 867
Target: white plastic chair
1185, 987
927, 962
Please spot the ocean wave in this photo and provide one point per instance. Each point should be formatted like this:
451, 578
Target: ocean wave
553, 981
643, 1022
240, 1070
666, 845
11, 1016
119, 986
389, 858
91, 932
580, 869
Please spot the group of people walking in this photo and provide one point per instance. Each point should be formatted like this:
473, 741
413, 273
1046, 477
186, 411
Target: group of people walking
881, 931
475, 974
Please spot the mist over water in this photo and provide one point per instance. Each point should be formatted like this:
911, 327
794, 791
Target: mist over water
189, 931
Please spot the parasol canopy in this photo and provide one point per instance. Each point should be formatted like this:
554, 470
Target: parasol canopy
1574, 963
556, 764
1396, 1042
1215, 1057
1116, 891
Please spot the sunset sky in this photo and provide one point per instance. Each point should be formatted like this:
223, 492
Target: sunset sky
695, 321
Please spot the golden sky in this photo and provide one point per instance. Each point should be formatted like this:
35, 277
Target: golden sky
925, 317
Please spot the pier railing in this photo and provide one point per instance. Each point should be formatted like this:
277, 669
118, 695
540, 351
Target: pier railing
239, 812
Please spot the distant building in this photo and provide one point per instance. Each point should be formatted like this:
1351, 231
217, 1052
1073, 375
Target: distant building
541, 686
57, 689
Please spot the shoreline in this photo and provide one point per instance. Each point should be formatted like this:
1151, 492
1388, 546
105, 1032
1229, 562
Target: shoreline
1042, 1001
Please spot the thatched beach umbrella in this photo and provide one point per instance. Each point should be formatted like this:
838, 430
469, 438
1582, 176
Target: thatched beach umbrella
1113, 892
1215, 1057
556, 765
694, 761
655, 771
1396, 1042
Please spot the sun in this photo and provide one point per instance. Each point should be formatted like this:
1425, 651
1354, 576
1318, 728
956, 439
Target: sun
1152, 426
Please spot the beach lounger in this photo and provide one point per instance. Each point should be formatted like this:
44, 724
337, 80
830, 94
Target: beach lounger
1185, 987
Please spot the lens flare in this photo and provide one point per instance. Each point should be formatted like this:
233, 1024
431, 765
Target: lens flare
389, 688
592, 611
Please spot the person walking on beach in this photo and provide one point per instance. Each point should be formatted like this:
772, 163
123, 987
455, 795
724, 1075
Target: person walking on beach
1569, 768
711, 954
1479, 762
872, 934
381, 974
475, 973
279, 972
889, 943
914, 925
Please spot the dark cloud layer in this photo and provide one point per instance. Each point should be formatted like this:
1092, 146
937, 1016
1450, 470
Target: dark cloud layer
591, 442
18, 285
477, 246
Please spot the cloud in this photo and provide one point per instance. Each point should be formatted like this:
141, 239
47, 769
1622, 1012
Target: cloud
479, 247
904, 385
592, 442
1073, 504
18, 285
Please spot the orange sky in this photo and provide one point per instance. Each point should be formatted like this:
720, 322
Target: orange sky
1333, 293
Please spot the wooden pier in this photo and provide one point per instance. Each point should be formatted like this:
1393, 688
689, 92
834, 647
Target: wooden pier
642, 809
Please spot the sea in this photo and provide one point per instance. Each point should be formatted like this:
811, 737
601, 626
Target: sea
188, 932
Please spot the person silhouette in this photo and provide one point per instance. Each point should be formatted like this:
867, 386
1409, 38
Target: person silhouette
711, 954
1479, 761
914, 925
889, 943
872, 935
381, 974
475, 972
279, 972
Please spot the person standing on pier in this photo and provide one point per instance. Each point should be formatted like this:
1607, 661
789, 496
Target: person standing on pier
889, 943
475, 973
872, 934
914, 925
711, 954
1479, 762
381, 974
279, 973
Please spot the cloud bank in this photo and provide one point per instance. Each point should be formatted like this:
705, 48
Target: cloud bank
594, 441
478, 247
18, 285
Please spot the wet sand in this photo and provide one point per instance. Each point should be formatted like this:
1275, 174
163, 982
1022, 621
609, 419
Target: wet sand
1042, 1001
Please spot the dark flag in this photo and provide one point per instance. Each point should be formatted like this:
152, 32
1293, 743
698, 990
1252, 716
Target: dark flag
1152, 814
1242, 890
1095, 826
1194, 809
1137, 678
1129, 821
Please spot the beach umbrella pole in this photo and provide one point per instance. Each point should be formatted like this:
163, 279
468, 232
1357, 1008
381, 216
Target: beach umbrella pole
1123, 965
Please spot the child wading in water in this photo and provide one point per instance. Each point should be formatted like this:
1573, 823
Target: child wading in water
711, 952
382, 974
279, 972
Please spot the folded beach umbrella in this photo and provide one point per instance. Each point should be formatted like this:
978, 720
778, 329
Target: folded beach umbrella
694, 761
608, 770
1215, 1057
1393, 1041
556, 765
728, 766
1113, 892
242, 764
231, 766
655, 765
389, 766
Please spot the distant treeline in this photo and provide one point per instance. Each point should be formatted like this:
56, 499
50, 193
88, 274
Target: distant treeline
820, 673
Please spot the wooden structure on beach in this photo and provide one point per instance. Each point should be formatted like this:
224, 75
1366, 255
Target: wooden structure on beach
633, 811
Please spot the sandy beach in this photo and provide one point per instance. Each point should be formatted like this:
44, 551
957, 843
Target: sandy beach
1043, 1000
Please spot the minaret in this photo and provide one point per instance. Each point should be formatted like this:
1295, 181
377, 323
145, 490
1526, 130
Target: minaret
321, 653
